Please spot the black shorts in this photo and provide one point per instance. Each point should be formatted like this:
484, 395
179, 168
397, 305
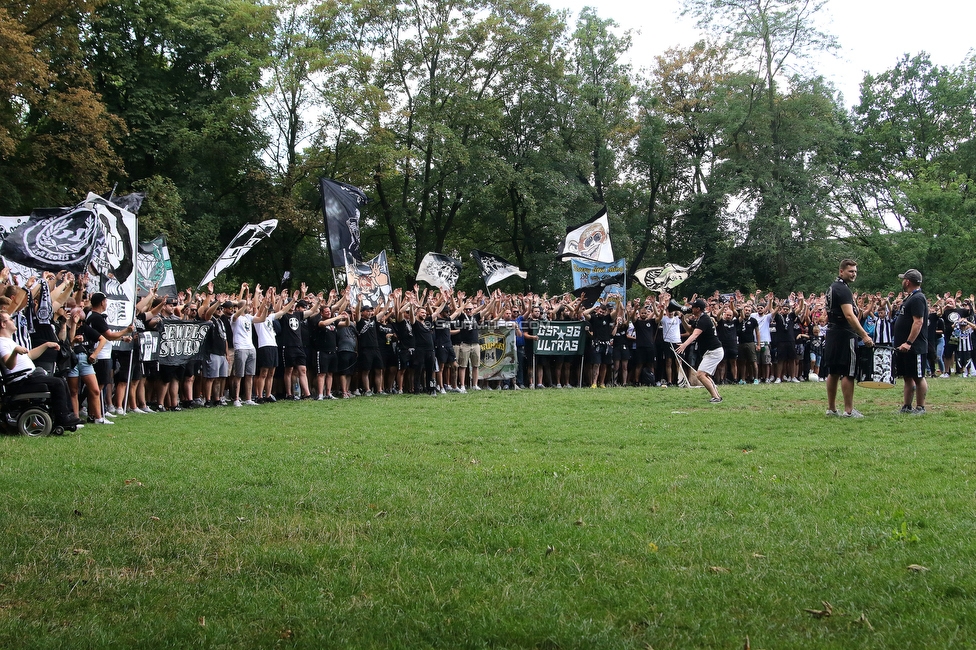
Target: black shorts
391, 358
150, 369
840, 357
122, 373
785, 352
644, 356
909, 365
104, 371
404, 358
445, 355
731, 351
599, 353
171, 373
347, 362
621, 353
370, 359
295, 357
268, 357
325, 362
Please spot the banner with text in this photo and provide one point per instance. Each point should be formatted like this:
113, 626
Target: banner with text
560, 337
178, 342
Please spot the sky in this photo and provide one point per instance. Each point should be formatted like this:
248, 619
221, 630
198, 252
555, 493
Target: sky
873, 34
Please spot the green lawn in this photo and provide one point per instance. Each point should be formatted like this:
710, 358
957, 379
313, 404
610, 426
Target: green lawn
620, 518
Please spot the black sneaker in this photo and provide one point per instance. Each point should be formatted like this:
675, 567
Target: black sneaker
905, 410
271, 398
919, 411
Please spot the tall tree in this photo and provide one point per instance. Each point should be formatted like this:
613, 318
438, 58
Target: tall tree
56, 137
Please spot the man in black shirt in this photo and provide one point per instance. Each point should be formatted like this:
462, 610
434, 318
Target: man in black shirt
840, 360
911, 342
602, 327
703, 331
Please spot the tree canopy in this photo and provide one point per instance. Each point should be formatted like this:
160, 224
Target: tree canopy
491, 124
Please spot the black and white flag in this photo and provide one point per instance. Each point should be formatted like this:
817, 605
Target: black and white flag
494, 268
439, 270
340, 209
662, 278
55, 239
589, 240
250, 234
114, 261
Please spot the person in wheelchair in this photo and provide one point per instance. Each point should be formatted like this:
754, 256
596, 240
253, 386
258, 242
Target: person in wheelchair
21, 375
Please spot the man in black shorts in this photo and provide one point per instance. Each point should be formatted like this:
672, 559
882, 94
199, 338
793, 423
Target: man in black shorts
911, 342
840, 360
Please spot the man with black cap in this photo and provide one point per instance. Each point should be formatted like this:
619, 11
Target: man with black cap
840, 358
703, 330
911, 342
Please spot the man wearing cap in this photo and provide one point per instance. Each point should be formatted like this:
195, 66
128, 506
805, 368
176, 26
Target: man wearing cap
911, 342
840, 359
294, 338
703, 331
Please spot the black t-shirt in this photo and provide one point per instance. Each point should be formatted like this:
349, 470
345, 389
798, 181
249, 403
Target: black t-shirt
404, 333
914, 306
933, 326
294, 330
322, 337
601, 328
746, 330
707, 340
839, 294
442, 332
645, 329
423, 335
367, 331
727, 332
469, 328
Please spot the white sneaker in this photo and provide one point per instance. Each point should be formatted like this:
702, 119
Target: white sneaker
103, 421
778, 381
250, 402
111, 410
853, 414
476, 387
110, 414
237, 402
463, 390
794, 381
442, 391
137, 411
559, 385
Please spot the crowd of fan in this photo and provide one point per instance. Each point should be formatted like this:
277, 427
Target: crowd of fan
268, 345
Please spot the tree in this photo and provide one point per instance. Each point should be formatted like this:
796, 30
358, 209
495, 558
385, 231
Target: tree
56, 136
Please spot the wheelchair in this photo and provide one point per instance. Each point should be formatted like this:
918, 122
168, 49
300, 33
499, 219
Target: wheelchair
26, 413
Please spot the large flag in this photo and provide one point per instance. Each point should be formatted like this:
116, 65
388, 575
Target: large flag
494, 268
498, 353
589, 240
371, 280
594, 281
245, 240
340, 209
114, 260
661, 278
54, 239
18, 272
155, 268
560, 337
439, 270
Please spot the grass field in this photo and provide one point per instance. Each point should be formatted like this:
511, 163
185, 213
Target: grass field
621, 518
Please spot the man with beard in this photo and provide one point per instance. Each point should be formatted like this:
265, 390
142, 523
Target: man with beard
840, 359
911, 342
